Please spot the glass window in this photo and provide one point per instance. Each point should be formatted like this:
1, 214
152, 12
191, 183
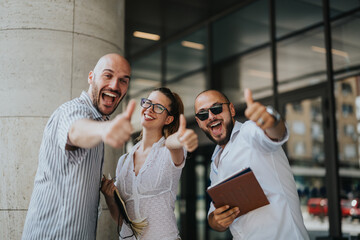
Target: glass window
252, 71
140, 22
305, 150
293, 15
301, 60
347, 120
299, 148
146, 74
346, 45
350, 151
298, 127
317, 152
188, 88
348, 144
179, 15
317, 131
340, 6
297, 107
346, 89
242, 30
305, 132
186, 55
347, 109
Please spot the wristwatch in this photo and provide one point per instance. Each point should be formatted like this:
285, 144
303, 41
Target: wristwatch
274, 114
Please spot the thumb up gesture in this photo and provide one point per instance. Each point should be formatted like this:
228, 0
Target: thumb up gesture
182, 138
187, 137
256, 112
119, 130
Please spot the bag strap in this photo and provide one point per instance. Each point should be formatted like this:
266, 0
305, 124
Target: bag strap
124, 159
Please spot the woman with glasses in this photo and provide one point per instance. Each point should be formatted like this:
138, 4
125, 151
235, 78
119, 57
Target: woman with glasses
147, 177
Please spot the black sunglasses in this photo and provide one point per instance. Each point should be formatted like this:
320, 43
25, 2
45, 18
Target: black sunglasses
157, 108
216, 109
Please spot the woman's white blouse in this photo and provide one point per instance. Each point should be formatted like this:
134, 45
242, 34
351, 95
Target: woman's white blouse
152, 193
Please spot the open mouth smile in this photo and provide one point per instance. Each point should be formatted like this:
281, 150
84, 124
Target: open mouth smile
215, 127
109, 98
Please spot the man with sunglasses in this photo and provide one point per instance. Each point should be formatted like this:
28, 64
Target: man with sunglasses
256, 144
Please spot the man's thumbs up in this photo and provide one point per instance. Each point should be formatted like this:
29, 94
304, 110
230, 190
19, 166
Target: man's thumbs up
130, 109
248, 97
119, 130
256, 112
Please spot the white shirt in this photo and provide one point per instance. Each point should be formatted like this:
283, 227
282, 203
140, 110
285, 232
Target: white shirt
250, 147
152, 193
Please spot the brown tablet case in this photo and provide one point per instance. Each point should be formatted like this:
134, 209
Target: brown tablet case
240, 190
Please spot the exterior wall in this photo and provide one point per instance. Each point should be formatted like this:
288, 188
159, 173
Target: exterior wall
47, 49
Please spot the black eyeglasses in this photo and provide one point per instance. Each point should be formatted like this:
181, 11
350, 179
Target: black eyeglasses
216, 109
157, 108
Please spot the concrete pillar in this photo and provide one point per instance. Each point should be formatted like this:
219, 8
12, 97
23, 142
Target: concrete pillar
47, 49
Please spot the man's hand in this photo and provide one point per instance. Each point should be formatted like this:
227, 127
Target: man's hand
221, 218
256, 112
87, 133
118, 130
187, 137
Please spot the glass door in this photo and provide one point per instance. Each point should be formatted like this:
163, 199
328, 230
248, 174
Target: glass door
303, 111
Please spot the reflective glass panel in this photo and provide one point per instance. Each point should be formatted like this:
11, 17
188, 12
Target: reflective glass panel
186, 55
188, 88
146, 74
305, 150
253, 71
301, 60
348, 133
340, 6
242, 30
346, 45
294, 15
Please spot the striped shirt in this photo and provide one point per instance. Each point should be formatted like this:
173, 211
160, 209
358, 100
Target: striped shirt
64, 202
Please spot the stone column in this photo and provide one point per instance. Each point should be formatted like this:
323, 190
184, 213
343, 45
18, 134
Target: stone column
47, 49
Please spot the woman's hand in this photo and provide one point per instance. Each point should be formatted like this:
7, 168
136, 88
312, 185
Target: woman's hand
187, 137
184, 137
107, 187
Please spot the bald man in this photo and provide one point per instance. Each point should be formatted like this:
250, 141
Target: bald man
256, 144
64, 202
